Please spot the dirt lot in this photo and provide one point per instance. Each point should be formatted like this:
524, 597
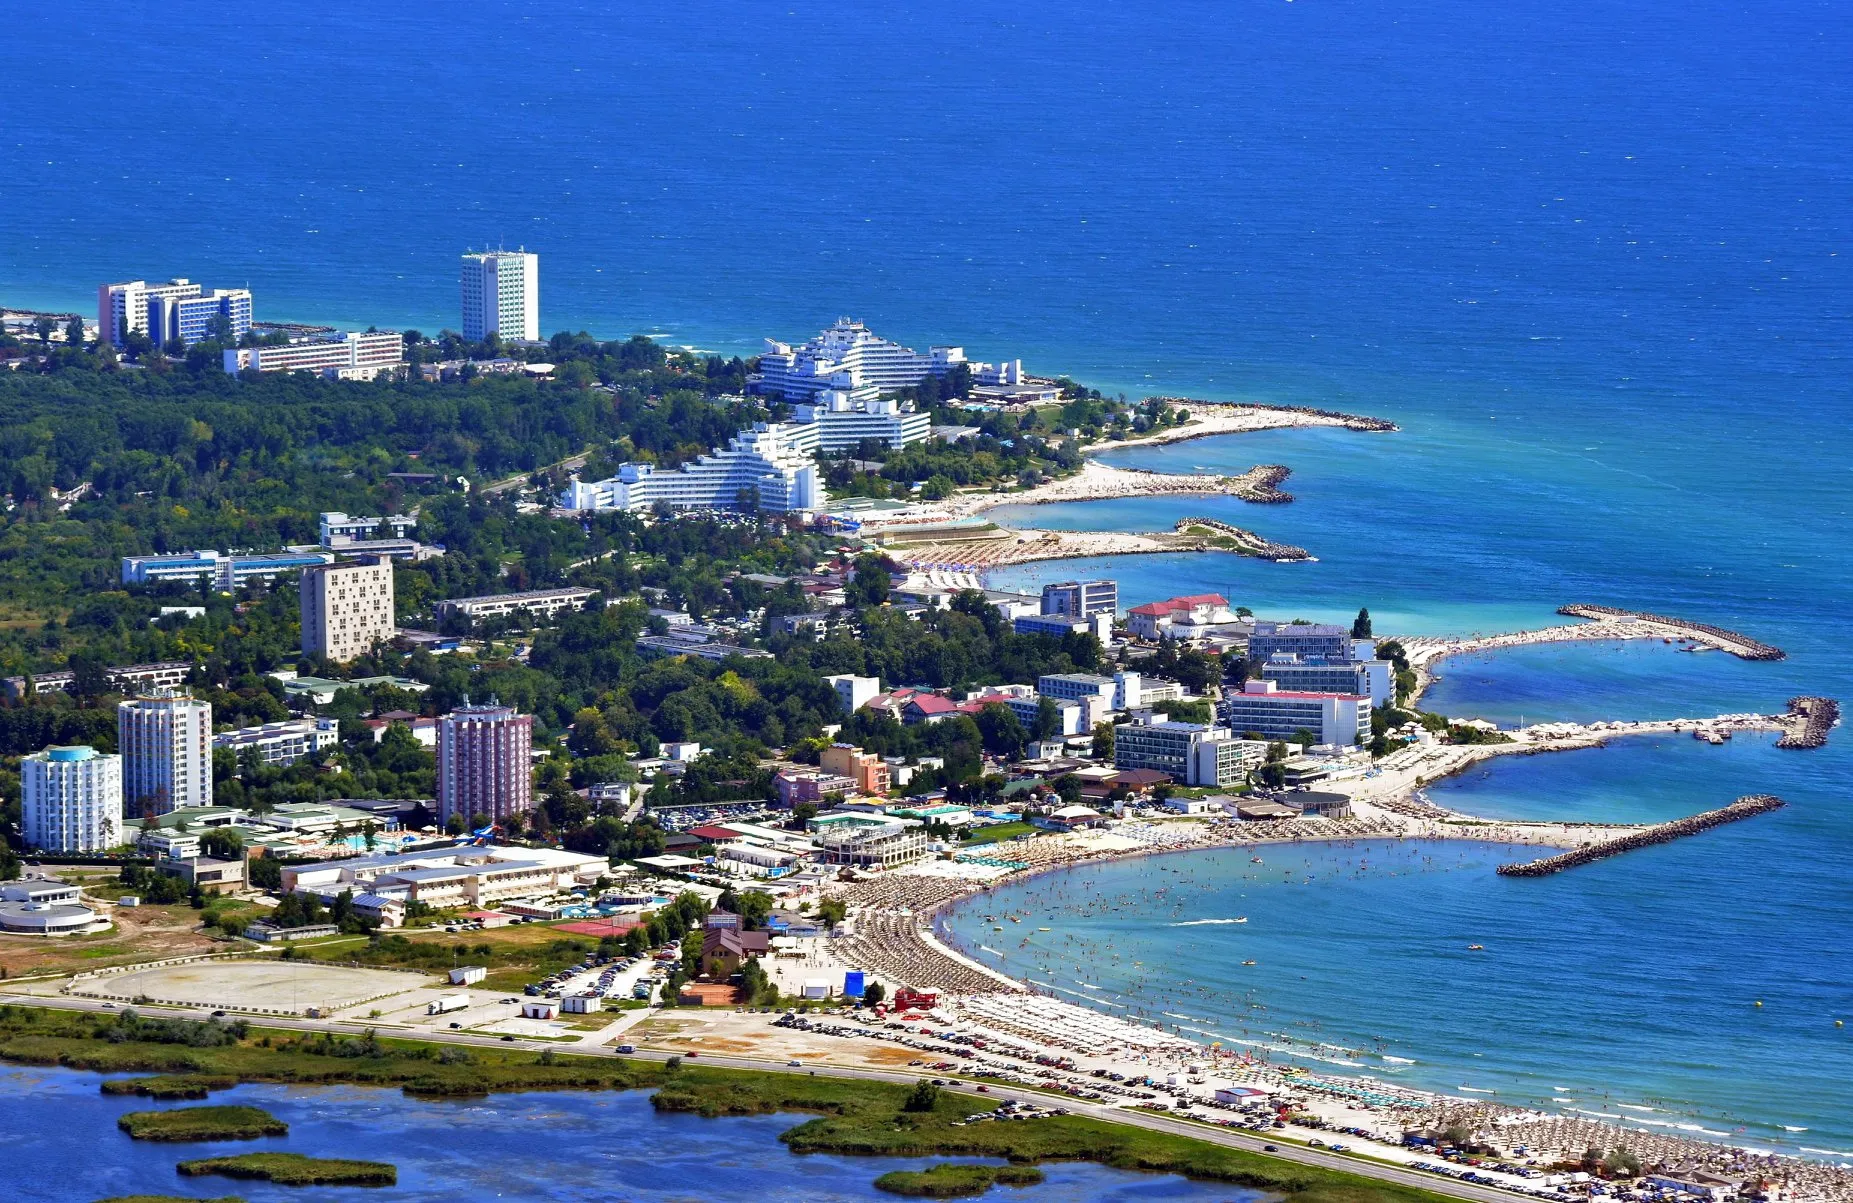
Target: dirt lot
259, 983
726, 1031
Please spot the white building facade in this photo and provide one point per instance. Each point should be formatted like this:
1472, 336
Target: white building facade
350, 356
847, 358
1275, 713
834, 422
501, 295
165, 741
71, 800
177, 309
762, 468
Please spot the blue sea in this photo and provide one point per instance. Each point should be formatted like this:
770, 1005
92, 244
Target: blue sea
1594, 260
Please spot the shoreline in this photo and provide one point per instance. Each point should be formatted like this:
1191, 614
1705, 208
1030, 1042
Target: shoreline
1210, 418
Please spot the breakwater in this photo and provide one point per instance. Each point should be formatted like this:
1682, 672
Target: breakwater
1664, 833
1247, 541
1817, 715
1348, 421
1264, 486
1738, 645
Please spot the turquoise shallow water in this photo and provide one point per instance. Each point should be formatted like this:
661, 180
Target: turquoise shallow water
1593, 262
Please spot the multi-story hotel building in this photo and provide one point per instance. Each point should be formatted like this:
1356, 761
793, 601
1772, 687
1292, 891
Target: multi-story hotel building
281, 743
177, 309
165, 740
227, 572
535, 603
484, 763
762, 468
1193, 753
1274, 713
846, 358
501, 295
1304, 639
71, 800
834, 422
1081, 599
346, 608
337, 526
350, 356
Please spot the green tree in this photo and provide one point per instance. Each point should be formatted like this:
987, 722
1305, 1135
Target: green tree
923, 1098
874, 993
1360, 627
831, 911
225, 843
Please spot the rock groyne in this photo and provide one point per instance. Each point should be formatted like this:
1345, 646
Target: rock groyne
1817, 717
1246, 541
1263, 486
1664, 833
1738, 645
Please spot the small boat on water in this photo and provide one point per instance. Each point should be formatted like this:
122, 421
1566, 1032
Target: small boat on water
1476, 948
1247, 962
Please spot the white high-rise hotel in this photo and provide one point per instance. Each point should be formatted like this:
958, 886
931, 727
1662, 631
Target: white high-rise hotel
166, 745
501, 295
847, 358
71, 800
177, 309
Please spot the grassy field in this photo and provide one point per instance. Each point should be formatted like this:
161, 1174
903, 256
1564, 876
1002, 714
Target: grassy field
852, 1117
997, 832
514, 955
202, 1123
168, 1087
293, 1169
952, 1180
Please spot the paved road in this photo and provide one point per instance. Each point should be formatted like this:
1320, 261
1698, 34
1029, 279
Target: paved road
571, 463
1116, 1115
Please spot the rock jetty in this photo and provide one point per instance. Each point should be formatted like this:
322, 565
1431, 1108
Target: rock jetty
1664, 833
1741, 646
1247, 542
1817, 717
1262, 486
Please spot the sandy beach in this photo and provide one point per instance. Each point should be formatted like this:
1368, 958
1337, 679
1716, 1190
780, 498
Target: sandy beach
1208, 418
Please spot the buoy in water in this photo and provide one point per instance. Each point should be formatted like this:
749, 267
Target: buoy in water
1759, 1002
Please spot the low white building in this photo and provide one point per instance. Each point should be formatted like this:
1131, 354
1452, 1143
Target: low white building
281, 743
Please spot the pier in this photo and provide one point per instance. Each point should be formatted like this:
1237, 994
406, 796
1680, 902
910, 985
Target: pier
1361, 422
1817, 717
1664, 833
1741, 646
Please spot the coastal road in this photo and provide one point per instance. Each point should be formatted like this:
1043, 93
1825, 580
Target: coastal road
1152, 1121
571, 463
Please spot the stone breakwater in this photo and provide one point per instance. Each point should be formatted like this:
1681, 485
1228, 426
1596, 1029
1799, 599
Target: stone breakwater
1817, 715
1738, 645
1264, 485
1246, 541
1348, 421
1664, 833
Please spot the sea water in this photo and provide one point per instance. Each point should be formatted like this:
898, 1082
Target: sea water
59, 1139
1594, 264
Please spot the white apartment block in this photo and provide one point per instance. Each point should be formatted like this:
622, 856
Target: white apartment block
281, 743
537, 603
834, 422
350, 356
71, 800
177, 309
1275, 713
501, 295
339, 526
165, 740
346, 608
853, 692
228, 572
762, 467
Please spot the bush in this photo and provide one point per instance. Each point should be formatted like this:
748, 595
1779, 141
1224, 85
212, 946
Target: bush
923, 1098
